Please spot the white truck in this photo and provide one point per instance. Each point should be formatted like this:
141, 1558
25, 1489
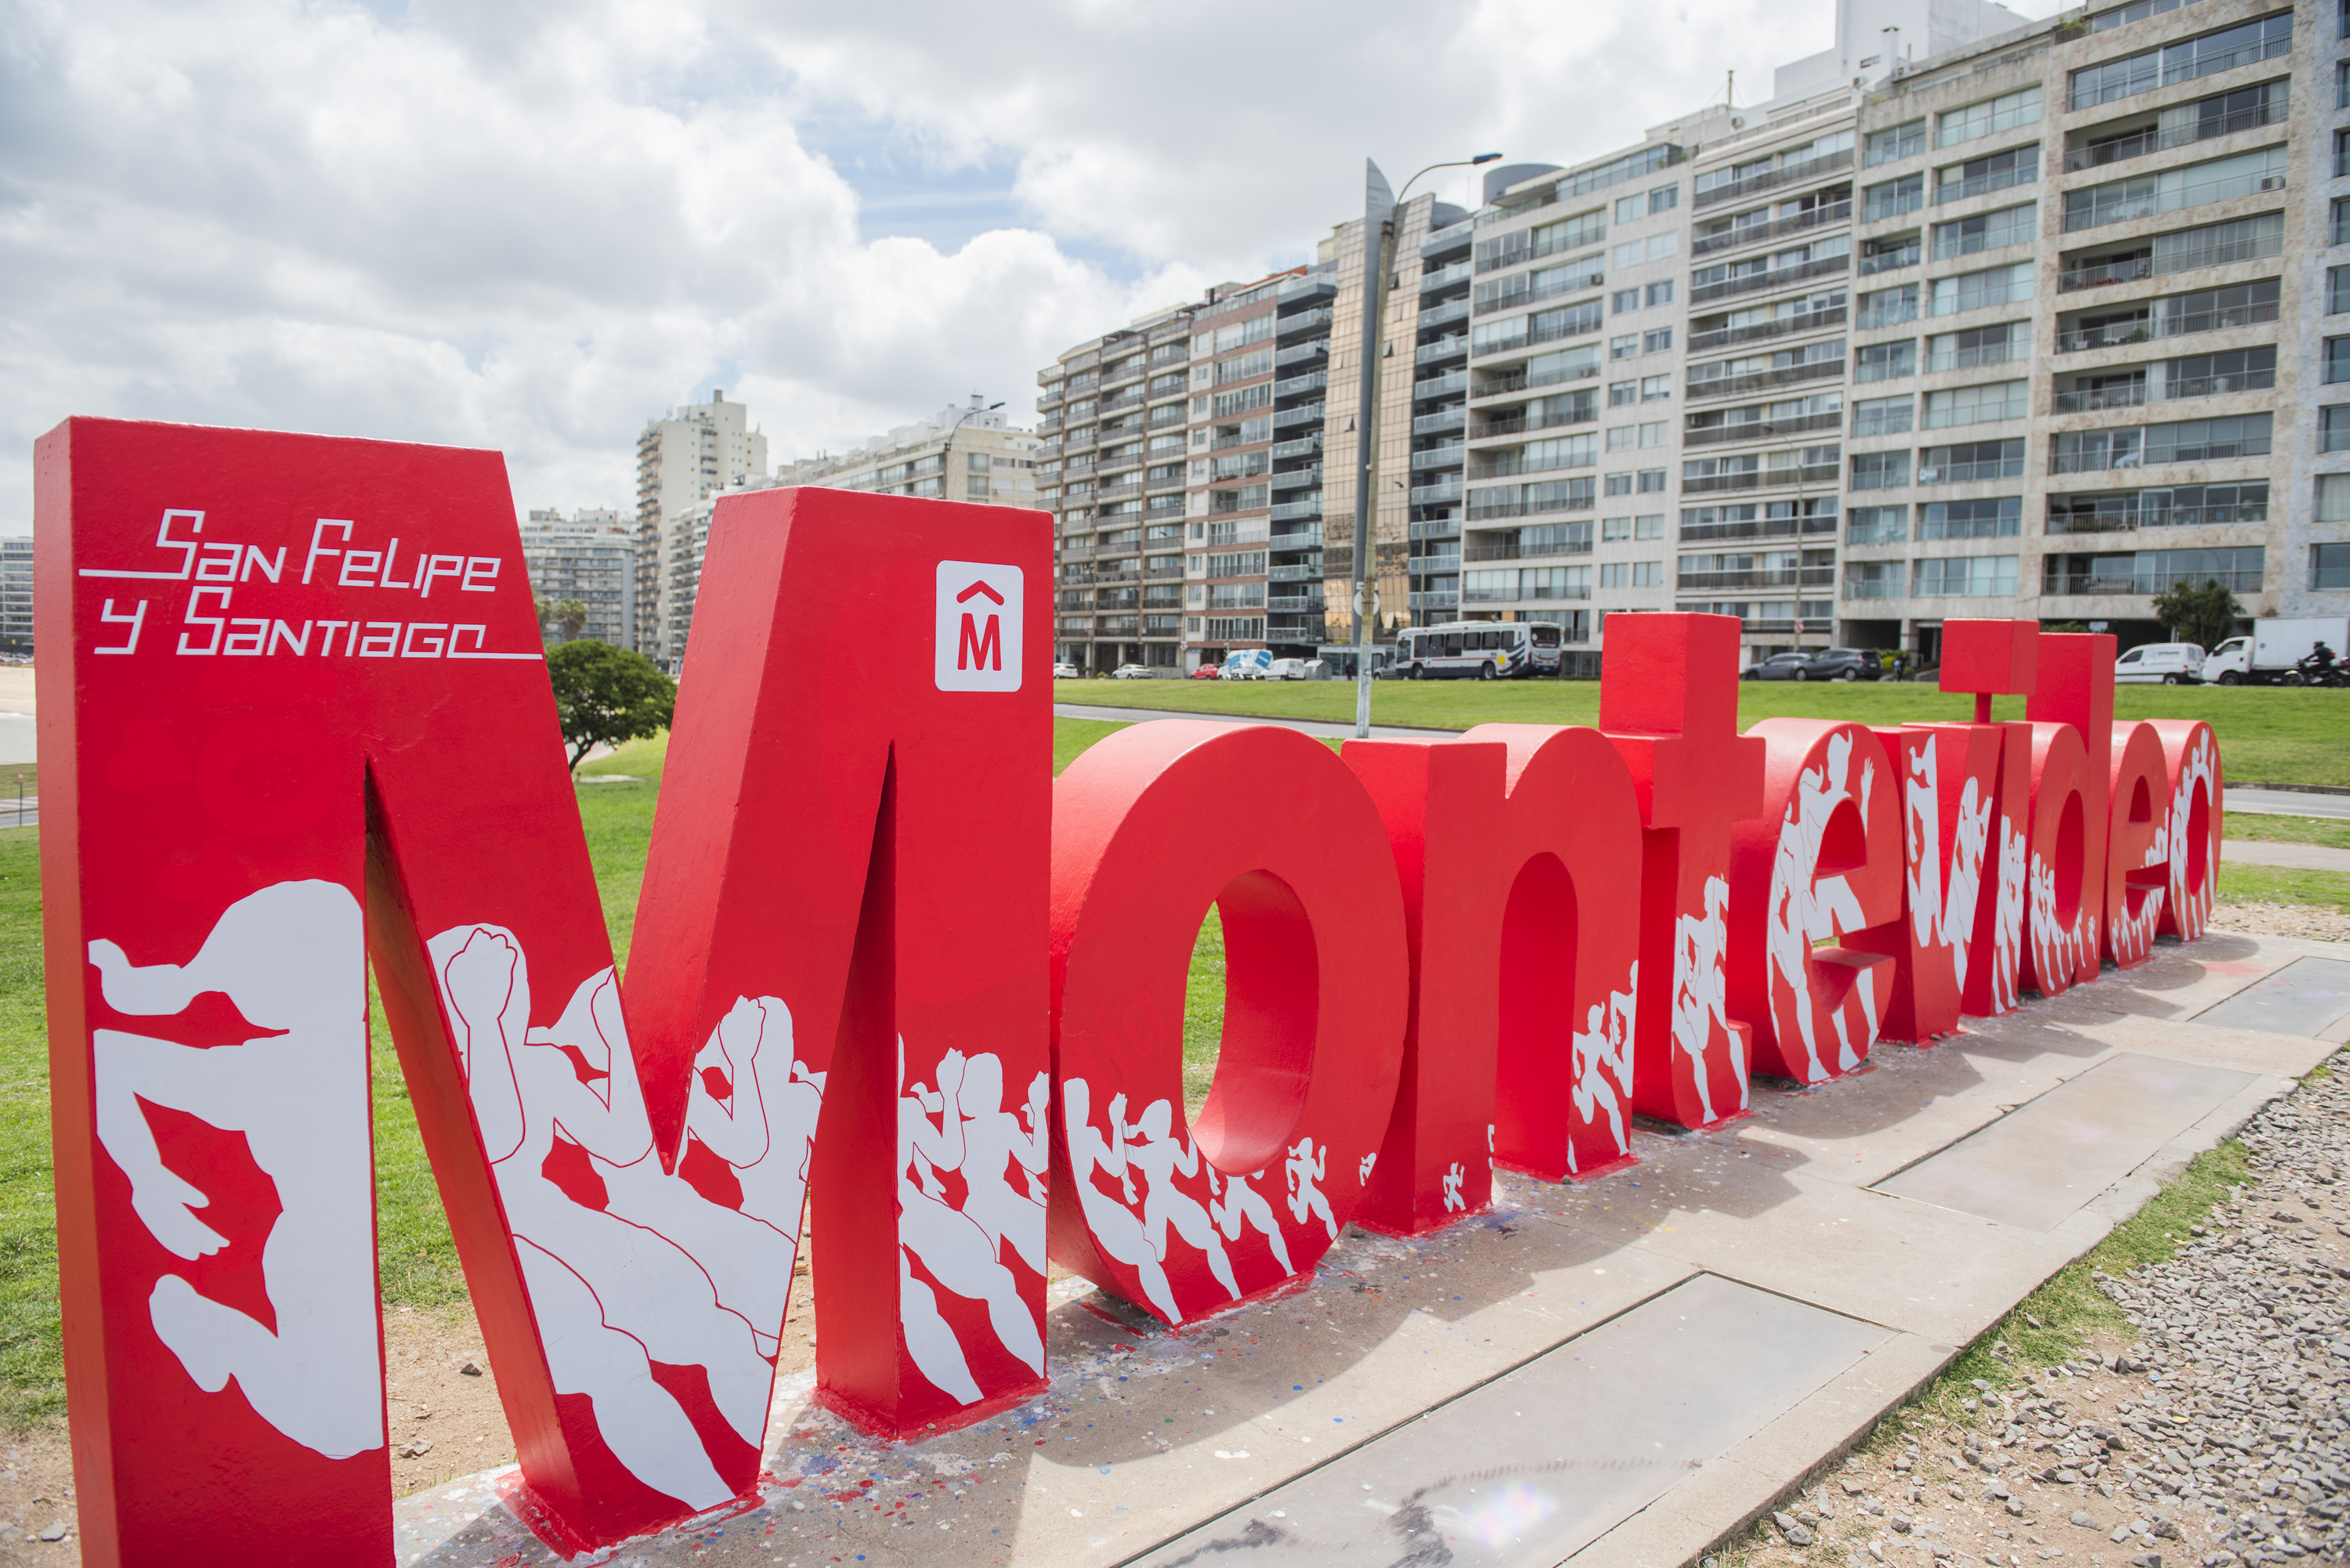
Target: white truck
2274, 648
1247, 664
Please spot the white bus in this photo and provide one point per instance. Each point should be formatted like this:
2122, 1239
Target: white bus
1477, 651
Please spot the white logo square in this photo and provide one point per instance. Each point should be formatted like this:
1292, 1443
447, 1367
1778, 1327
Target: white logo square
977, 647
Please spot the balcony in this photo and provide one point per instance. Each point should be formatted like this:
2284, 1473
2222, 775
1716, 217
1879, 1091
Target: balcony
1772, 180
1444, 277
1437, 528
1761, 331
1447, 599
1894, 260
1303, 322
1745, 235
2088, 522
1971, 473
1049, 424
1451, 419
1297, 539
2114, 334
1289, 418
1777, 277
2154, 138
1800, 578
1309, 573
1428, 386
1875, 588
1510, 381
1439, 456
1297, 478
1444, 314
1764, 479
1129, 399
1443, 490
1759, 528
1443, 349
1732, 386
1306, 447
1984, 184
1298, 386
2089, 585
1295, 604
1123, 488
1520, 291
1303, 353
1160, 573
1893, 206
1761, 430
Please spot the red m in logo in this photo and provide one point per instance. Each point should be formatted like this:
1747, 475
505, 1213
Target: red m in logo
975, 648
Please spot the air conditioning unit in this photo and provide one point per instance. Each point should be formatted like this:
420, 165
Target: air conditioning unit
2273, 182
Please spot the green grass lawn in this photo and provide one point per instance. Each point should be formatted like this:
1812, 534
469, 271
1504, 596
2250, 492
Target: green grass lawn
2330, 832
2282, 885
2267, 734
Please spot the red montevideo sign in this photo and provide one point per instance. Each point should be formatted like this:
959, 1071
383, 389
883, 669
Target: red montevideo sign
887, 972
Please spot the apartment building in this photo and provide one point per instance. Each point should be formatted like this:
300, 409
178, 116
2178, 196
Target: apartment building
16, 596
683, 460
1185, 459
589, 557
2078, 379
966, 454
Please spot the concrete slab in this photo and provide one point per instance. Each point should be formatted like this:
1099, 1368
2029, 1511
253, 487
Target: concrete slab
1532, 1466
2034, 1169
2299, 856
2305, 997
2287, 803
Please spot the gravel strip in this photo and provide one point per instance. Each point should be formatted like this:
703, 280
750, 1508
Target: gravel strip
2312, 922
2220, 1435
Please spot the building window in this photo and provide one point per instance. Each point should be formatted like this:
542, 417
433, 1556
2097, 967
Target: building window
1876, 525
1618, 484
2334, 498
1977, 405
2334, 429
1978, 290
1656, 388
1885, 361
2337, 360
1891, 197
1988, 118
2187, 60
1664, 199
1987, 231
2341, 226
1651, 526
1881, 416
1627, 346
1652, 481
1873, 579
975, 486
2338, 290
1658, 294
1901, 142
1980, 176
976, 461
1880, 470
1998, 517
1623, 300
1623, 393
1659, 341
2329, 566
1630, 209
1888, 306
1966, 576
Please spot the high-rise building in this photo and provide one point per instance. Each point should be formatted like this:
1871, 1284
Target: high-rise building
2076, 382
16, 596
683, 460
1201, 465
967, 454
589, 557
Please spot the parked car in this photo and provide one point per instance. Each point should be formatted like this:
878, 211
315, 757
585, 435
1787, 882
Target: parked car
1065, 672
1129, 672
1286, 670
1207, 672
1780, 667
2170, 663
1823, 664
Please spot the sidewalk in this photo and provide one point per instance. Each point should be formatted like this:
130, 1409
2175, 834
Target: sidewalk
2295, 856
1620, 1372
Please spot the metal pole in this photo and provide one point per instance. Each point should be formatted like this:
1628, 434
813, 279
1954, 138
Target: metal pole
1379, 243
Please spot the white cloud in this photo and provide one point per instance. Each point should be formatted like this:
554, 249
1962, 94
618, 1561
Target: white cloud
532, 225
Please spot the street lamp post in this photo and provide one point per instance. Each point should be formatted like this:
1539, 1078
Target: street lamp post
1379, 213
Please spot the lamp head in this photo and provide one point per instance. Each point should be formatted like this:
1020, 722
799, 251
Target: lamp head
1484, 157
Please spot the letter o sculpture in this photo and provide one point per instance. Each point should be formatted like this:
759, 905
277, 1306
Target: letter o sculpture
1149, 828
2137, 844
2190, 756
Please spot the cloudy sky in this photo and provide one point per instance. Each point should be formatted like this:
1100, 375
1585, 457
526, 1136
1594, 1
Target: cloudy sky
533, 225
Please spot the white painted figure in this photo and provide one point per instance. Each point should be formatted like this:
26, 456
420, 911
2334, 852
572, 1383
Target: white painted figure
1702, 993
1154, 1152
1235, 1205
292, 958
1806, 908
1112, 1224
1603, 1065
611, 1293
1306, 1168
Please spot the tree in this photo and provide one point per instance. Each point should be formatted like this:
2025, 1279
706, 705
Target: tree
2205, 616
608, 695
568, 616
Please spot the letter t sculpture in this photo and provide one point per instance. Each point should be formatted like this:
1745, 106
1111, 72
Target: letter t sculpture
1668, 698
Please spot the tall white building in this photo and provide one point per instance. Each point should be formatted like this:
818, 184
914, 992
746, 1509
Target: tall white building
589, 556
683, 460
16, 596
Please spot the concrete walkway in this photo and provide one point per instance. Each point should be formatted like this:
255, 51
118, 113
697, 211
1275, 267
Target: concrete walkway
2298, 856
2288, 802
1620, 1372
